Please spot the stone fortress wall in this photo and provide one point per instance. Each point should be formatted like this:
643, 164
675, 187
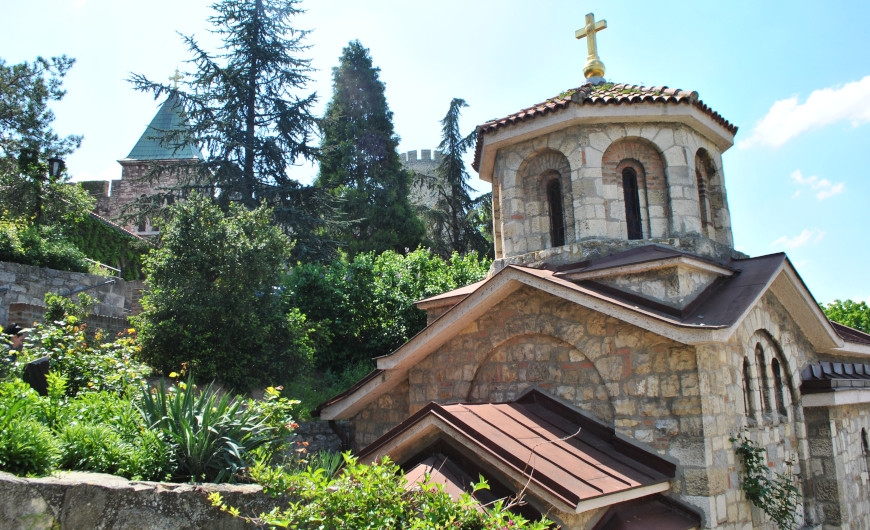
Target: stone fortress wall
423, 166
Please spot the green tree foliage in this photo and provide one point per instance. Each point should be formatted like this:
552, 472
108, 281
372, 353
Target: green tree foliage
36, 210
212, 304
365, 307
27, 141
853, 314
359, 163
456, 220
243, 109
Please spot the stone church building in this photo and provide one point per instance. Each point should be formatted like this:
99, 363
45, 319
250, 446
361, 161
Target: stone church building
620, 341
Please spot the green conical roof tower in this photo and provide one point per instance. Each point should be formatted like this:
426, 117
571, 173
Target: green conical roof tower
149, 147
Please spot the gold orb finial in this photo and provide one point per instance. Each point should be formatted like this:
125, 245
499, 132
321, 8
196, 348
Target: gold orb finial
593, 67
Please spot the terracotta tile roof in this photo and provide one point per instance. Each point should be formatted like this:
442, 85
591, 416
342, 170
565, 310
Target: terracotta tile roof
564, 454
830, 377
601, 94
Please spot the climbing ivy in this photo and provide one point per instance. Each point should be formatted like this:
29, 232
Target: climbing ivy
110, 246
775, 493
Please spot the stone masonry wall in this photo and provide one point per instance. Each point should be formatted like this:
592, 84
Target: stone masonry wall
380, 416
726, 413
28, 285
584, 148
74, 501
643, 385
839, 463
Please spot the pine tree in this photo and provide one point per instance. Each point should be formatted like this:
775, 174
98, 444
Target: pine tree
455, 218
359, 162
243, 109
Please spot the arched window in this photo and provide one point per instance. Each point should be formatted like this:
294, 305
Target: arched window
703, 202
747, 392
763, 383
778, 389
632, 204
557, 217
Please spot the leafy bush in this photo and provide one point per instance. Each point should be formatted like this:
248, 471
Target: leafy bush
375, 497
39, 245
106, 433
57, 307
27, 446
88, 365
365, 308
214, 435
111, 246
212, 304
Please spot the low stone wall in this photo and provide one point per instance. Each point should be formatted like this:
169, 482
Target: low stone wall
96, 501
316, 436
25, 315
25, 284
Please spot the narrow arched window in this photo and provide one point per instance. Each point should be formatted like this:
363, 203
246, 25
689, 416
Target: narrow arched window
763, 383
747, 393
703, 202
557, 217
632, 204
778, 388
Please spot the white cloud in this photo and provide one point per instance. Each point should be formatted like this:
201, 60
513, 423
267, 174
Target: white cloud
824, 188
807, 235
787, 118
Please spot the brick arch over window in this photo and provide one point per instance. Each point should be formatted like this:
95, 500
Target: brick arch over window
647, 163
538, 173
546, 362
712, 204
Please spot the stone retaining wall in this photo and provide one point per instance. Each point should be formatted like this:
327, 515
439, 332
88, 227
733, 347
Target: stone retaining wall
104, 502
26, 284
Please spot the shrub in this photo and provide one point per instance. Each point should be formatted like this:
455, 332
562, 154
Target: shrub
27, 446
376, 497
89, 365
214, 435
41, 246
106, 433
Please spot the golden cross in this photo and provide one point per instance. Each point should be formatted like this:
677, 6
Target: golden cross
176, 78
593, 67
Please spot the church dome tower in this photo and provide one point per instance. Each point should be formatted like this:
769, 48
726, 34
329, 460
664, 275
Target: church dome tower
605, 167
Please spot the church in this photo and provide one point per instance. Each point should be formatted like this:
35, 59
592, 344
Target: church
620, 343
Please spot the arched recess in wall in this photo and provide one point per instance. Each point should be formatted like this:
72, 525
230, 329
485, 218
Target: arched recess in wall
712, 204
636, 160
545, 362
771, 384
548, 199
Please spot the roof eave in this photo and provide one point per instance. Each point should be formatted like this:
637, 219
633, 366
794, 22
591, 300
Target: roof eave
591, 114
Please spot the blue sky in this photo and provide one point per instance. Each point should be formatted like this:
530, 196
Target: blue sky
795, 77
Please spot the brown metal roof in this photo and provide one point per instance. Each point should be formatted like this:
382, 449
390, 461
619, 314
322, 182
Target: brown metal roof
600, 94
850, 334
831, 377
562, 452
720, 305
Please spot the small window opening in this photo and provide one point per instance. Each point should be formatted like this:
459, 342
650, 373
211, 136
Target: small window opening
778, 388
557, 217
632, 204
747, 394
703, 202
763, 383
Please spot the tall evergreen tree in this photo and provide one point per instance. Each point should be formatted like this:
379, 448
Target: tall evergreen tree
455, 218
243, 109
359, 162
